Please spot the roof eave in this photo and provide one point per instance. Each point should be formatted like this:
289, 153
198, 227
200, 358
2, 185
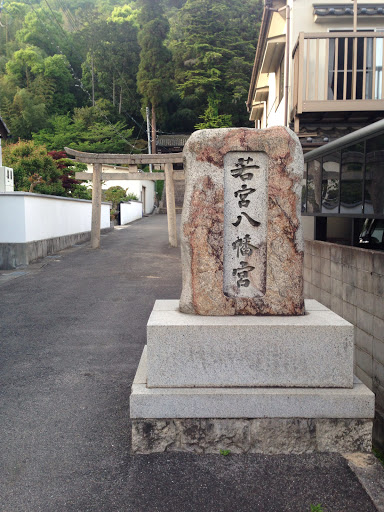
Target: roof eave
262, 41
4, 132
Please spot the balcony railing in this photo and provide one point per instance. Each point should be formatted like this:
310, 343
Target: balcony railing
338, 71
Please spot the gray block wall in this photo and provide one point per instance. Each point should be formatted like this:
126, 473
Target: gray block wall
179, 195
16, 255
350, 281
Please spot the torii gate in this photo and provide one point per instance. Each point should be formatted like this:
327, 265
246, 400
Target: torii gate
98, 159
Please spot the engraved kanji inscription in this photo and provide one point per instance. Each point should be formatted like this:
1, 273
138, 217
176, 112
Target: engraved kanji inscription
242, 165
253, 222
243, 246
242, 194
245, 224
242, 273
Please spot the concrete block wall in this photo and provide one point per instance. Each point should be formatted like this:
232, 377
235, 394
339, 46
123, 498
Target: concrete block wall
350, 281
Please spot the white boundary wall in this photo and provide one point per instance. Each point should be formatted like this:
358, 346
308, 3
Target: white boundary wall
133, 186
130, 211
26, 217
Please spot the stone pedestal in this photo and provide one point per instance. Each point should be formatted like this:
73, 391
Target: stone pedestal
241, 363
312, 403
311, 350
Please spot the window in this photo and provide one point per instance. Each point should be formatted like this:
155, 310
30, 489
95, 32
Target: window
369, 65
351, 187
330, 183
374, 176
280, 83
314, 186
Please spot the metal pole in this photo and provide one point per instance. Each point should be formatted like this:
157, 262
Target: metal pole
148, 136
96, 206
1, 154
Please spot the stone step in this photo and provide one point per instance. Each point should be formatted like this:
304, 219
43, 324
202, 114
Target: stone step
229, 402
164, 210
179, 194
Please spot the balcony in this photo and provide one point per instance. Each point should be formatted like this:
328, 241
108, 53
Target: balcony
338, 72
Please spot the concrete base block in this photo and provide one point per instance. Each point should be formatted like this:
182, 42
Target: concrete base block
378, 429
266, 435
313, 350
249, 420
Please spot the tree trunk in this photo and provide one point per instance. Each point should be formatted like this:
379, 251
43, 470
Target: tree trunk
153, 130
93, 82
113, 91
121, 99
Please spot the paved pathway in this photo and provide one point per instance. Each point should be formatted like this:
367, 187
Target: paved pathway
71, 334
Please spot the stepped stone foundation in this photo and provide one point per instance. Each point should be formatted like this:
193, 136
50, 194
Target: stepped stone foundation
242, 363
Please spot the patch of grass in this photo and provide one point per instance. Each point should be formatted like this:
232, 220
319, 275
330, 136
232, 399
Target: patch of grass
317, 508
379, 454
225, 452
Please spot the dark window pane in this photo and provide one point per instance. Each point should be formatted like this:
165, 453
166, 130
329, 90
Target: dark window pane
304, 190
374, 176
331, 69
350, 53
359, 85
351, 192
349, 85
331, 183
340, 85
368, 69
360, 53
314, 186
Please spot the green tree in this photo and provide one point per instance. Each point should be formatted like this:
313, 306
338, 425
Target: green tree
154, 79
87, 130
113, 64
41, 28
68, 168
118, 195
213, 43
56, 73
33, 166
25, 65
211, 117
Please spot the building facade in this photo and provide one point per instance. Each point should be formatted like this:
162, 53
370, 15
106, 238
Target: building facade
319, 71
314, 73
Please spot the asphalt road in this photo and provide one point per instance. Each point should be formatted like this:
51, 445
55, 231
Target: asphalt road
72, 329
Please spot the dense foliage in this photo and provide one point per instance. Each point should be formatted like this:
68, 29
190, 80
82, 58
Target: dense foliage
80, 73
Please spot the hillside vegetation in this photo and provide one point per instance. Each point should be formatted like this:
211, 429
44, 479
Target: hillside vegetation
80, 73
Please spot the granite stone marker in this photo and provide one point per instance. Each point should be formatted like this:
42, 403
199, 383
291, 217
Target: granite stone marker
209, 380
241, 240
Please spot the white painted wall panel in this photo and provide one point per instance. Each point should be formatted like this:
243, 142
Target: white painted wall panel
12, 218
28, 217
130, 211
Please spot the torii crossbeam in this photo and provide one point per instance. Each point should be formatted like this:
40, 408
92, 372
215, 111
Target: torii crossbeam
98, 159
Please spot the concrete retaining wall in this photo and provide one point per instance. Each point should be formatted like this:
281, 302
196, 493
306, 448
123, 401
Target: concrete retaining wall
130, 211
350, 281
35, 225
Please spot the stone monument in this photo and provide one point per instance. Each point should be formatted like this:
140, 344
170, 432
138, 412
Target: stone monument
239, 363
